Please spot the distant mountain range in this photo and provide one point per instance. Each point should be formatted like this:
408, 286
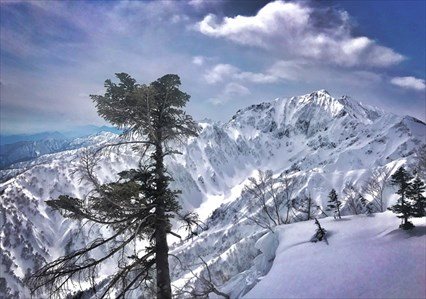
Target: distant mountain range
25, 147
74, 133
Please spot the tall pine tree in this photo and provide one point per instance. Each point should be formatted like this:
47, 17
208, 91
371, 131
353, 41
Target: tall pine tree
140, 204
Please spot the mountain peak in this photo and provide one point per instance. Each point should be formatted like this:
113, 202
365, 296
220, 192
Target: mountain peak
318, 99
321, 92
315, 95
315, 107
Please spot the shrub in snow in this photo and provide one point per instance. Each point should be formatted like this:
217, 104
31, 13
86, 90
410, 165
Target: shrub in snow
320, 233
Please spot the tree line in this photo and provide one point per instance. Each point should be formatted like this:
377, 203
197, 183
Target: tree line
273, 202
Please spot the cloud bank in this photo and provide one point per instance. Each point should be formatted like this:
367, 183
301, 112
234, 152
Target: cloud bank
296, 30
409, 83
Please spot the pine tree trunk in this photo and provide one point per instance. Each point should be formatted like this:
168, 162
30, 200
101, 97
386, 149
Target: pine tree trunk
161, 247
162, 259
405, 212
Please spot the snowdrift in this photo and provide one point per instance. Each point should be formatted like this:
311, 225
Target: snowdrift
367, 257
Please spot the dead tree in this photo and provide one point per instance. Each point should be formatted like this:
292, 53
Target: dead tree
305, 205
368, 206
375, 187
289, 185
207, 285
269, 196
265, 199
352, 198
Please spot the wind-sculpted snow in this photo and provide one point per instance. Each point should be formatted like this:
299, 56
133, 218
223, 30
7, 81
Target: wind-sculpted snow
366, 257
325, 142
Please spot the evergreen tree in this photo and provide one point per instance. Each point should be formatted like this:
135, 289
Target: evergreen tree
415, 193
402, 178
334, 204
140, 204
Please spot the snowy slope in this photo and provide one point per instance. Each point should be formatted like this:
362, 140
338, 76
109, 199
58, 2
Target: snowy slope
27, 150
324, 141
18, 148
367, 257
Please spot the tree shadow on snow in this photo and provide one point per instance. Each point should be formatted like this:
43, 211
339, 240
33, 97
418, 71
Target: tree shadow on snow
309, 241
417, 231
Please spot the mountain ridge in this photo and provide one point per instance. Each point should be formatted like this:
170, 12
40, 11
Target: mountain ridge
26, 147
324, 148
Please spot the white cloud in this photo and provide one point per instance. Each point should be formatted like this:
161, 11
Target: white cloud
409, 83
231, 91
198, 60
222, 72
219, 72
296, 30
203, 4
236, 89
326, 75
88, 43
256, 77
288, 70
217, 101
179, 18
197, 3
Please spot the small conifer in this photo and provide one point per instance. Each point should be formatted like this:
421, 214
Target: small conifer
334, 204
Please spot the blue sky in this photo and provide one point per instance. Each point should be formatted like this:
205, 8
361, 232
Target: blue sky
229, 54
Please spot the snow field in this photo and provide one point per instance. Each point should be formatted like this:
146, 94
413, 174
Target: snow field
367, 257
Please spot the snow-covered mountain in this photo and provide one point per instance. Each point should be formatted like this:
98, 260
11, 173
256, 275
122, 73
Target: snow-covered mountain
9, 139
19, 148
28, 150
323, 141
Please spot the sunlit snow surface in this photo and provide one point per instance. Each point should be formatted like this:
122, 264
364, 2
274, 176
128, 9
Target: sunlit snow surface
367, 257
